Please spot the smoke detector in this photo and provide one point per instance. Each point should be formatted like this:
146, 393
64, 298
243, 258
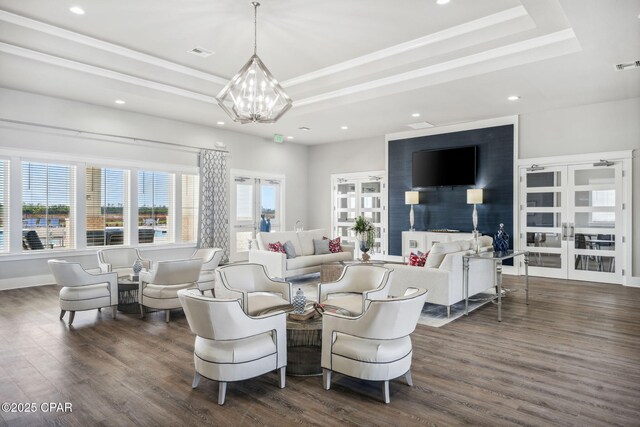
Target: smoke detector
625, 66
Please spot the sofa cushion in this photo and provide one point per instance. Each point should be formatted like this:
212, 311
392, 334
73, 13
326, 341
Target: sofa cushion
338, 256
277, 247
304, 261
290, 249
321, 247
418, 260
439, 250
279, 236
306, 240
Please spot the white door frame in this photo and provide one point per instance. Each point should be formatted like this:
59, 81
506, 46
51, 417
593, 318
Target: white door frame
233, 255
625, 157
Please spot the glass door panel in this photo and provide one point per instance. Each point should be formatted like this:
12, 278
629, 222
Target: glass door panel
595, 212
542, 231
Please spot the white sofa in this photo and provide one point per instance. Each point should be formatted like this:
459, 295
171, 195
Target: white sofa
305, 262
442, 275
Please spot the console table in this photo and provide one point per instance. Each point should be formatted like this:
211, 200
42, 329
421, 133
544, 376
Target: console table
496, 258
422, 241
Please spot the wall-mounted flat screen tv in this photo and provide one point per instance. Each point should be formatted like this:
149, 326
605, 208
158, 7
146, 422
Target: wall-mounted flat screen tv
436, 168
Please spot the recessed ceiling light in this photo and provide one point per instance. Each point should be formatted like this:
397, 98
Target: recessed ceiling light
513, 98
289, 137
120, 101
441, 2
220, 123
344, 127
201, 51
304, 128
415, 115
77, 10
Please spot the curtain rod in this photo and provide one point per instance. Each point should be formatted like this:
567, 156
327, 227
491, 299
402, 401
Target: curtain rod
134, 139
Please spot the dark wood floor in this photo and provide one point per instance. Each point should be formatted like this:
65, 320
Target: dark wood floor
572, 357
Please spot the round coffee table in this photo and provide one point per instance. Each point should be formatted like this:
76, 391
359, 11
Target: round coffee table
128, 295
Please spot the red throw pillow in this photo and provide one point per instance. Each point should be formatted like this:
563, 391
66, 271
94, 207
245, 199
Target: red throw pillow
334, 244
418, 260
277, 247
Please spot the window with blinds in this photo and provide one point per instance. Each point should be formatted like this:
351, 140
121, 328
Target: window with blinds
47, 206
106, 206
155, 192
4, 206
190, 205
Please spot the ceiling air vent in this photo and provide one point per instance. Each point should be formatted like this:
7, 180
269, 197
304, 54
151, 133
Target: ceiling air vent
421, 125
635, 64
200, 51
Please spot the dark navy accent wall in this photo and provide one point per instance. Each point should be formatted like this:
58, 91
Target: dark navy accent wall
446, 207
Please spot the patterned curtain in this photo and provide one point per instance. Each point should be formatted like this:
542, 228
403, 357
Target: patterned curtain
214, 206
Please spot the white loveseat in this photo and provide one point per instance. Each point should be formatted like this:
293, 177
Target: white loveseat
305, 262
442, 275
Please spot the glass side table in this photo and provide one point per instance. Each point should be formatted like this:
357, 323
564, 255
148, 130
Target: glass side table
497, 258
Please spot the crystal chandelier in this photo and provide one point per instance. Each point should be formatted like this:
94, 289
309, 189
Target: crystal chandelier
254, 95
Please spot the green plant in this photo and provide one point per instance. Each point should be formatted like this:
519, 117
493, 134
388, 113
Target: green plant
365, 231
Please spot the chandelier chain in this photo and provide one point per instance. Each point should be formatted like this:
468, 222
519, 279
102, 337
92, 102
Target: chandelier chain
255, 27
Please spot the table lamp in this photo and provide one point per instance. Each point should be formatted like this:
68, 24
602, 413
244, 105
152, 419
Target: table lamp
474, 197
411, 198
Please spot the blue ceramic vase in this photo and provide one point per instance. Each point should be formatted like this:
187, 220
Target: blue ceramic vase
299, 302
501, 240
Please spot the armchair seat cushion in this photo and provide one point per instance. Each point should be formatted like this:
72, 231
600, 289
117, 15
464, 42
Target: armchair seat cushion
235, 351
81, 293
370, 350
259, 302
164, 291
350, 302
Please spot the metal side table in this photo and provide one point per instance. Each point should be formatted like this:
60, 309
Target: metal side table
497, 258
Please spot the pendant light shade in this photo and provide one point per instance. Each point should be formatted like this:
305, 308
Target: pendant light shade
254, 95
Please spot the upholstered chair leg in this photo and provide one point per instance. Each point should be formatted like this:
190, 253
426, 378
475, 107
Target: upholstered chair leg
407, 377
196, 380
167, 314
385, 392
448, 311
72, 314
100, 309
62, 312
283, 372
326, 378
141, 311
114, 310
222, 391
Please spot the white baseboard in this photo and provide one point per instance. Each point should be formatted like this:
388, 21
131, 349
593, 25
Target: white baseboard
26, 281
633, 282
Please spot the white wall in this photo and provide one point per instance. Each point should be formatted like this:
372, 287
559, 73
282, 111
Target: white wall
340, 157
610, 126
246, 152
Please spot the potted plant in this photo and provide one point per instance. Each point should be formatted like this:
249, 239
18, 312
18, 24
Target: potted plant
365, 232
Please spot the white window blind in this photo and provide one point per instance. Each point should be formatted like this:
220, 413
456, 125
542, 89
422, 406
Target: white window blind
47, 206
155, 193
106, 206
190, 206
4, 205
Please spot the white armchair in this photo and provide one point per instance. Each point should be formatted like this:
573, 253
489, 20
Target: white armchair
159, 287
231, 346
210, 259
252, 286
374, 346
120, 260
357, 284
82, 290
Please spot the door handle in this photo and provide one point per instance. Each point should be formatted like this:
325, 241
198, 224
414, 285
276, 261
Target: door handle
573, 231
564, 231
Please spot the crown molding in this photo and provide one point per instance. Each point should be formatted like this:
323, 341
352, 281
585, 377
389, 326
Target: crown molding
108, 47
440, 36
503, 51
103, 72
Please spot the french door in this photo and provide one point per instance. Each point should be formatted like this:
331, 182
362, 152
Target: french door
256, 204
572, 221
